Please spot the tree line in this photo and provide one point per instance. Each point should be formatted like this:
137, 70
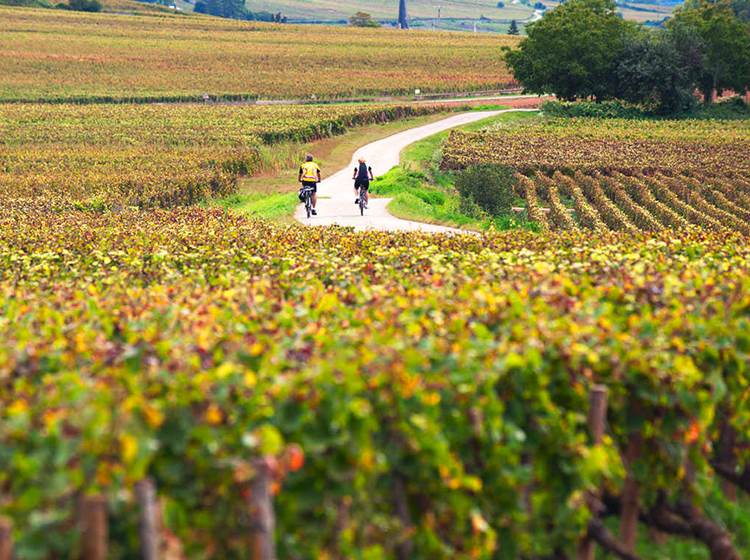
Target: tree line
584, 49
235, 9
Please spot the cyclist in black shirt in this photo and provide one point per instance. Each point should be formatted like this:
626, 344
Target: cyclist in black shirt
362, 177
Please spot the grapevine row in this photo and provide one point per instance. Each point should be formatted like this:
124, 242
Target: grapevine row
191, 347
533, 208
558, 211
648, 202
586, 213
640, 191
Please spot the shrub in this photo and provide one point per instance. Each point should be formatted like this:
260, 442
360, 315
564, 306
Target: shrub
488, 186
85, 5
468, 207
363, 19
731, 109
606, 110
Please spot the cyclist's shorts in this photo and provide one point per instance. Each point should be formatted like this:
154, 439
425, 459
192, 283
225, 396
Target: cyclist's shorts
362, 184
310, 185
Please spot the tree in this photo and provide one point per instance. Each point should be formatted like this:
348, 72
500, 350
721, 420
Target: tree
222, 8
573, 51
652, 71
84, 5
742, 9
363, 19
513, 29
722, 60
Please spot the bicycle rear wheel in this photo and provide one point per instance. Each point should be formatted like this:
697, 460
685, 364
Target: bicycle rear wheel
308, 205
362, 202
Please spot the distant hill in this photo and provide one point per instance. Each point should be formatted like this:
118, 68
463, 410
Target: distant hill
443, 14
108, 6
456, 15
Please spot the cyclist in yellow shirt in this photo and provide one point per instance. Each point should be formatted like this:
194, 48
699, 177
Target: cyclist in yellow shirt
309, 176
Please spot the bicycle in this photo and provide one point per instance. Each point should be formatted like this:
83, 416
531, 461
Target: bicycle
306, 196
361, 199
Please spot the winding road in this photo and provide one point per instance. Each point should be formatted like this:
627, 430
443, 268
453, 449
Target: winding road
336, 192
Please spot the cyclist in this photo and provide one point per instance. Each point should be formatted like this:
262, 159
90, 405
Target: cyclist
362, 177
309, 176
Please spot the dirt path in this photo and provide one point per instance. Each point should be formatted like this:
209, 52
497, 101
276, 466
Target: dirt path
336, 192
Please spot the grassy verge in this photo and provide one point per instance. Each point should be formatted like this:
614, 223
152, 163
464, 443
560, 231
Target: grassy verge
422, 192
277, 206
272, 194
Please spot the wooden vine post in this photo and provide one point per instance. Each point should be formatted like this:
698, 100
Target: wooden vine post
630, 496
93, 526
597, 421
6, 539
260, 506
149, 523
725, 451
405, 546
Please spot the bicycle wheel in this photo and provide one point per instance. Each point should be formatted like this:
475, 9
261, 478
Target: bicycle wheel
362, 202
308, 205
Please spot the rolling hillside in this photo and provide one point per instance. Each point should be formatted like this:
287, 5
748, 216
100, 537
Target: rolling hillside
454, 14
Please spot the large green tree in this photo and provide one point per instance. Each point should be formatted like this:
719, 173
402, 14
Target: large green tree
722, 61
654, 71
573, 51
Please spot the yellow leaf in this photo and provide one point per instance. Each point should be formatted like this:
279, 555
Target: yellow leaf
328, 302
154, 417
250, 379
224, 370
213, 415
128, 447
478, 523
18, 407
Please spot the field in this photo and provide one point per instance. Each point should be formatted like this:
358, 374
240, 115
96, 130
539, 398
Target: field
156, 155
622, 175
186, 343
54, 55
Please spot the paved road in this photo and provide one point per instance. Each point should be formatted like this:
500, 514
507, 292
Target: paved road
336, 193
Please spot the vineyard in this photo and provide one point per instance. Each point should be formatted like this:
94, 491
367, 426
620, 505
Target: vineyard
620, 175
56, 55
408, 392
155, 155
183, 382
